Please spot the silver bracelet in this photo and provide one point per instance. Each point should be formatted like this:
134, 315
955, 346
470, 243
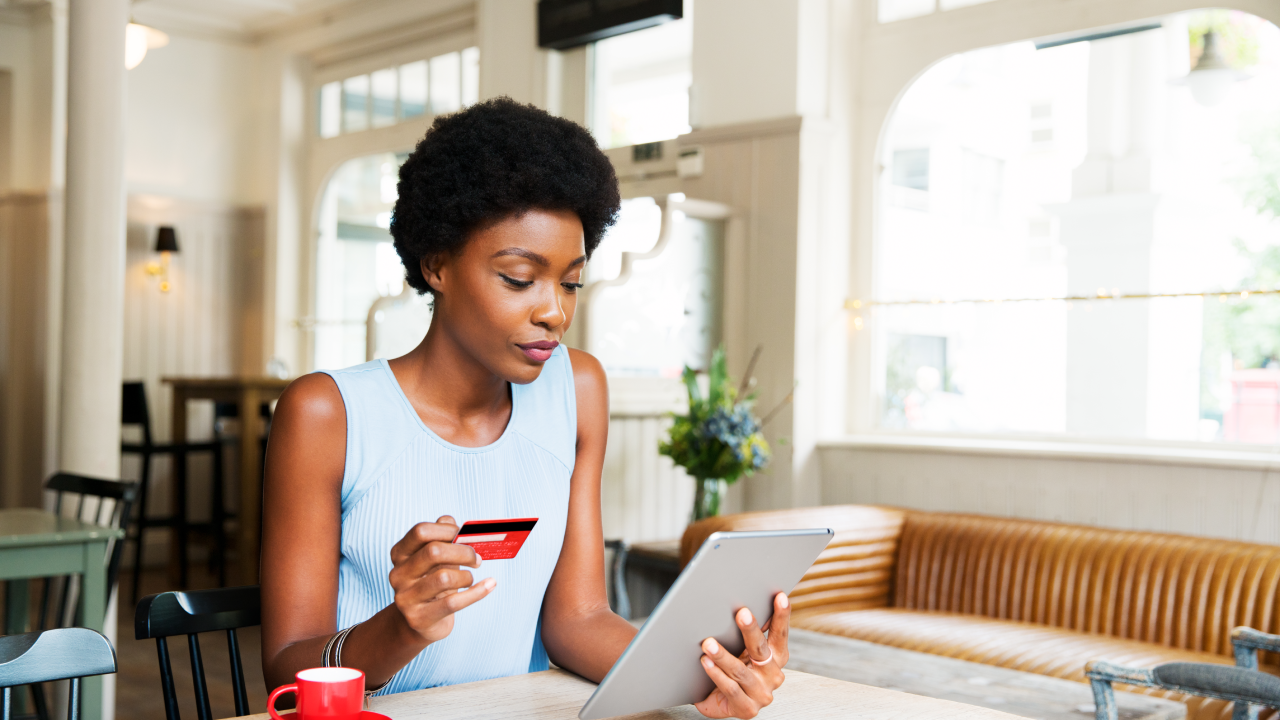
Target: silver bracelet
337, 645
338, 640
328, 646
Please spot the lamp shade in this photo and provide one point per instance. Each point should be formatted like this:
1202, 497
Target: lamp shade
167, 240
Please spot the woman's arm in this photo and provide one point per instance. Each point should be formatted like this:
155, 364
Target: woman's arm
301, 529
579, 630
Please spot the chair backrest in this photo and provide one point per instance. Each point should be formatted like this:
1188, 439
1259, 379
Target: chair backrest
854, 572
113, 508
65, 653
191, 613
1174, 590
133, 408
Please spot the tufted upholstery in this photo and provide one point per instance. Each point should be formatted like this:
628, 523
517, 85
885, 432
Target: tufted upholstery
1027, 595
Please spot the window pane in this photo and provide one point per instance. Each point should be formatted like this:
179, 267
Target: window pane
355, 103
446, 83
330, 109
641, 85
667, 314
413, 89
1000, 184
470, 76
384, 97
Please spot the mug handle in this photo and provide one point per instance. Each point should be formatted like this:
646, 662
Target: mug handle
271, 701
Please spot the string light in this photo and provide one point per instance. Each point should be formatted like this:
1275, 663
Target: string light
1102, 294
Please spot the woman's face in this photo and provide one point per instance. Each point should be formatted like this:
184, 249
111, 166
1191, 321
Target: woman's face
509, 296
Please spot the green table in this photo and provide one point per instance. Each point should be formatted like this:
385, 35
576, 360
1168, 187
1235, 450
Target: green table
34, 544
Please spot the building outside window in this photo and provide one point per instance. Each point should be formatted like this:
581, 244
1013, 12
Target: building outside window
1087, 169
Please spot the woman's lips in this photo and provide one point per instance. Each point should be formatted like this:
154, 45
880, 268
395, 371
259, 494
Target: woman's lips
538, 351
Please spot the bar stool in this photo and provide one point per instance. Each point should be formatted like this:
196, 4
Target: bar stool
230, 437
133, 411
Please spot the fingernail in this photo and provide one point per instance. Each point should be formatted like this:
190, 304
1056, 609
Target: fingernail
744, 616
711, 646
489, 583
706, 662
782, 600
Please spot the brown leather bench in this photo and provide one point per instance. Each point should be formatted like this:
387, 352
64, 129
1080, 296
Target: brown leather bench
1028, 595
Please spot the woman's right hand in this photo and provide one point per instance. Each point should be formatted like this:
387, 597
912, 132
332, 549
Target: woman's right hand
429, 582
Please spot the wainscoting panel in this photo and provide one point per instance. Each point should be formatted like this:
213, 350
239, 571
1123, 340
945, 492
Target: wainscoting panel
24, 344
644, 496
1225, 495
209, 323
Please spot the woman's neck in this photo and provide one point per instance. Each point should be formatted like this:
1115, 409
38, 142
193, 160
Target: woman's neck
452, 392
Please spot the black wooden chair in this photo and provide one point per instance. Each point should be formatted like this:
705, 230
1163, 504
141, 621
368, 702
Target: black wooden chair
62, 654
191, 613
133, 411
102, 502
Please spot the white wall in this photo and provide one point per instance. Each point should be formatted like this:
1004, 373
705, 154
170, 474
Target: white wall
1218, 494
193, 120
745, 61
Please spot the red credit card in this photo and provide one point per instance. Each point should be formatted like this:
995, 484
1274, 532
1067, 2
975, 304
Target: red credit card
495, 539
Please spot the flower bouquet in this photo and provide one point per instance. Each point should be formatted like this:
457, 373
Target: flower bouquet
719, 440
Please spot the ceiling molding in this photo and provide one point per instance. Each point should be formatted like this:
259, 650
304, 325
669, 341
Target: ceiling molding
459, 20
352, 21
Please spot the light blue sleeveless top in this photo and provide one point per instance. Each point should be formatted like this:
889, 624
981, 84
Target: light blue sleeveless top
399, 473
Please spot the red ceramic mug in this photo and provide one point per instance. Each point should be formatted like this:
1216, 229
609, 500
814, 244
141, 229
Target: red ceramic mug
324, 694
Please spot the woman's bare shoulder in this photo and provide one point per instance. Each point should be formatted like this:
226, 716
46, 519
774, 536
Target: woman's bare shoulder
308, 430
315, 397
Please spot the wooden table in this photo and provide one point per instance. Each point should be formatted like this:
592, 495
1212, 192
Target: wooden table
248, 393
35, 543
1018, 693
559, 695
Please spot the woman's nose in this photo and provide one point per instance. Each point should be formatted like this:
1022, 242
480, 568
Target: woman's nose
549, 312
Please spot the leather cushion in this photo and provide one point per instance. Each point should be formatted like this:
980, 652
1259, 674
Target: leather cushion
1011, 644
1170, 590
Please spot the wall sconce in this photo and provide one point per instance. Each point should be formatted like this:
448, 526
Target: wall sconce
166, 243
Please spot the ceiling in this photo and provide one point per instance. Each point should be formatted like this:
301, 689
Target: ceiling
238, 19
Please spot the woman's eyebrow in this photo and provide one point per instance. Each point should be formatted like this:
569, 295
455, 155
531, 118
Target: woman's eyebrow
535, 257
527, 254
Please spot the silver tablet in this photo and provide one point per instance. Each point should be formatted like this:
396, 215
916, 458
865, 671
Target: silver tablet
732, 570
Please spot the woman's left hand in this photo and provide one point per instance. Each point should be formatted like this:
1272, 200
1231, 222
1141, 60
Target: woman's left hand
745, 684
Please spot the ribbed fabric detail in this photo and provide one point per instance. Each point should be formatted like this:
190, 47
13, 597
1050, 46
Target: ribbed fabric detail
399, 473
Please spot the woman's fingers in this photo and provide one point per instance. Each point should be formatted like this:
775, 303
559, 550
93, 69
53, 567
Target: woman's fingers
434, 554
444, 530
748, 683
753, 636
780, 628
728, 699
432, 617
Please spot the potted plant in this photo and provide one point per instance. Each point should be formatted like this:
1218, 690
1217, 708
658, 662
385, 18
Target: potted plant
719, 439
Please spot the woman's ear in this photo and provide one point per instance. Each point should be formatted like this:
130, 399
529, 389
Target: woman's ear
431, 266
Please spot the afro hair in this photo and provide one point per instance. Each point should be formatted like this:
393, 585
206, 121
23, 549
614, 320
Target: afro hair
494, 160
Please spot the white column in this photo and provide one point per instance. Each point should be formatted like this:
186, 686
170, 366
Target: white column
93, 290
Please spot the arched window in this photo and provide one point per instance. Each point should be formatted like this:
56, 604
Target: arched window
357, 266
1099, 169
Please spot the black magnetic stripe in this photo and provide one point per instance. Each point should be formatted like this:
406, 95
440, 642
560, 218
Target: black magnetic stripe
486, 528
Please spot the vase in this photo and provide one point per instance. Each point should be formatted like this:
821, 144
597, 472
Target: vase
706, 497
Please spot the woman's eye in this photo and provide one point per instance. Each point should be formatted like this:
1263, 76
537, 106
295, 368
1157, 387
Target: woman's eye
516, 283
571, 286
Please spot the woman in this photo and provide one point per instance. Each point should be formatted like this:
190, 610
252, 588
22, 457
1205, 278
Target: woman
372, 469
